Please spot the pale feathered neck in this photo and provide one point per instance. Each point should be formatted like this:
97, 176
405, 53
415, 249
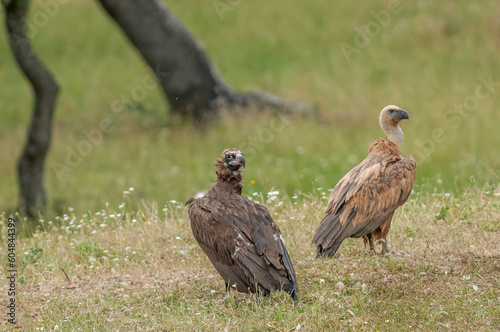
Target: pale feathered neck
393, 132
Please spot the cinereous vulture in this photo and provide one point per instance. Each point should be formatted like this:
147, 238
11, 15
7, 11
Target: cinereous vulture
239, 236
363, 202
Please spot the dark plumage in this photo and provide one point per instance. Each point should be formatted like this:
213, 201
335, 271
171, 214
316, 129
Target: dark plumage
238, 235
363, 202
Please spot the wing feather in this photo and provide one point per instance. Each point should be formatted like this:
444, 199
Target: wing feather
245, 237
365, 197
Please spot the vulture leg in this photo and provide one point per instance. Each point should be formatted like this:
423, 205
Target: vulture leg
380, 234
369, 239
385, 249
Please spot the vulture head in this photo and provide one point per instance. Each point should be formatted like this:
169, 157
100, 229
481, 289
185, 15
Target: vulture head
390, 116
230, 163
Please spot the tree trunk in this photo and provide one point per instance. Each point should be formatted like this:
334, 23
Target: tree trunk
188, 79
31, 164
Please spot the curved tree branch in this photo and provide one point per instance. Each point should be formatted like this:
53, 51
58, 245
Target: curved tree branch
31, 163
188, 79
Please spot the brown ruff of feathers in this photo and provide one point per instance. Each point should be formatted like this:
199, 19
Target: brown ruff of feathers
364, 200
239, 236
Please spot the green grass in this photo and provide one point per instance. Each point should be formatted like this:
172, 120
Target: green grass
142, 270
429, 58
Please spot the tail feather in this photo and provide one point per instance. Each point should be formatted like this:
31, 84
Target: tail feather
327, 252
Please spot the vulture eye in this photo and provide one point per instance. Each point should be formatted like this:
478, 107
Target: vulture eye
391, 111
229, 156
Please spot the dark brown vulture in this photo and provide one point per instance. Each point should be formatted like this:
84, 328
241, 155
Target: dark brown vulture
239, 236
363, 202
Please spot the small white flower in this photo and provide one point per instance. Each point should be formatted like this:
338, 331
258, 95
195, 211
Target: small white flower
131, 189
364, 288
321, 281
475, 288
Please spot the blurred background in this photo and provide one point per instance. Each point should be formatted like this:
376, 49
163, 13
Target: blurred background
438, 60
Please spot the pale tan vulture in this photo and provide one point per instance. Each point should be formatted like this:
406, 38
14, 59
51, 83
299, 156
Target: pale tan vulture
364, 200
239, 236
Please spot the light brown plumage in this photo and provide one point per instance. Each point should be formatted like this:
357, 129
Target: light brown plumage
363, 202
238, 235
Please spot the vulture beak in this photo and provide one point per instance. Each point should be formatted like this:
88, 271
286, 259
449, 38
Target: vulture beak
238, 161
403, 114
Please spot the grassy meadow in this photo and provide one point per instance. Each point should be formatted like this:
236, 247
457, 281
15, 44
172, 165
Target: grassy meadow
129, 256
122, 269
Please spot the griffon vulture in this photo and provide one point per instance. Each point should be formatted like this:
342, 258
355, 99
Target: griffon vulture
363, 202
239, 236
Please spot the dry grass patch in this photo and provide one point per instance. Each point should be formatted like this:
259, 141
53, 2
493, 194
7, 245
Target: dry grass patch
140, 269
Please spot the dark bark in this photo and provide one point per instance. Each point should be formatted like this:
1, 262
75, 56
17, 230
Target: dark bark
188, 79
31, 163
